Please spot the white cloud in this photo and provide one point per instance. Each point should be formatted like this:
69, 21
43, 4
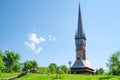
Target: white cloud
33, 37
30, 45
52, 38
42, 39
34, 43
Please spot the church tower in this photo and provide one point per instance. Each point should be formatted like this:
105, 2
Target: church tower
81, 65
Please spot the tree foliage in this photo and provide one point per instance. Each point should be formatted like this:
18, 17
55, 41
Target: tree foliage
43, 69
100, 71
53, 68
59, 70
1, 62
10, 59
17, 67
114, 63
64, 68
29, 65
9, 62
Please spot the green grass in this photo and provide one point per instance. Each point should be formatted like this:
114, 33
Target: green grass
7, 75
68, 77
31, 76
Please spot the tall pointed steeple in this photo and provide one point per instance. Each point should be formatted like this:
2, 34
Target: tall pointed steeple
80, 32
81, 64
80, 39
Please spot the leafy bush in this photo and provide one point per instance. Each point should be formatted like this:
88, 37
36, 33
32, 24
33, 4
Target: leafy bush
29, 65
114, 63
100, 71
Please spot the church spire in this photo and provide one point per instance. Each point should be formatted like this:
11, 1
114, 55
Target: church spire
81, 64
80, 32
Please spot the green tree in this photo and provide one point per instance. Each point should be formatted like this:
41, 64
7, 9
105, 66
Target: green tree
1, 62
53, 68
114, 63
100, 71
59, 70
10, 59
29, 65
64, 68
17, 67
43, 69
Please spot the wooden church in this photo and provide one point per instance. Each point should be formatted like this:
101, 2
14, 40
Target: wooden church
81, 64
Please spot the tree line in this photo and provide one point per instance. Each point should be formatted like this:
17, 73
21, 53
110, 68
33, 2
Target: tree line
10, 62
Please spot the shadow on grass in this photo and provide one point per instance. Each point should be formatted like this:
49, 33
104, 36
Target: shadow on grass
105, 78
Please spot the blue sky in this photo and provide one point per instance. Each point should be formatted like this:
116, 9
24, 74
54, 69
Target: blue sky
44, 30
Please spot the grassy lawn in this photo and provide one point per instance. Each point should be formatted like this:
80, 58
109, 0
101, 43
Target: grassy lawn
68, 77
31, 76
7, 75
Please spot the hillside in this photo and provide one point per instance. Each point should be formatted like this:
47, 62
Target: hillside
68, 77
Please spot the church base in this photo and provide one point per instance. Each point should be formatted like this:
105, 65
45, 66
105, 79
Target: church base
84, 70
